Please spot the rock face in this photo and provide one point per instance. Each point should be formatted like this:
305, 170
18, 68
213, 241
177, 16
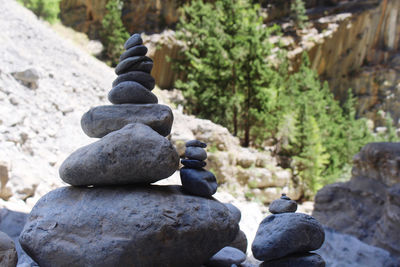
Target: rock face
373, 192
126, 226
133, 154
8, 254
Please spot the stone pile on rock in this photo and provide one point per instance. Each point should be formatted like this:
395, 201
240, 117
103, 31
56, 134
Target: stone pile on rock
194, 178
286, 238
111, 215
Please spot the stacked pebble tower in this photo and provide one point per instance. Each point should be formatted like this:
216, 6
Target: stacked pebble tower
286, 238
196, 180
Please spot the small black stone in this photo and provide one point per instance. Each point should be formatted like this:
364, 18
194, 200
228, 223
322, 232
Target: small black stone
198, 153
129, 64
139, 50
196, 143
135, 39
198, 182
141, 77
193, 163
131, 93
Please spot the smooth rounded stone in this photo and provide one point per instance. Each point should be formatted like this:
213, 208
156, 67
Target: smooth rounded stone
129, 64
145, 66
8, 254
102, 120
131, 93
195, 143
198, 153
126, 226
138, 50
282, 234
198, 182
133, 154
134, 40
226, 257
282, 205
240, 241
193, 163
141, 77
236, 213
298, 260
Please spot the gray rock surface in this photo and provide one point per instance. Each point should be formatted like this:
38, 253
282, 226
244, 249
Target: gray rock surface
133, 154
8, 254
234, 211
282, 205
282, 234
297, 260
226, 257
131, 93
141, 77
199, 182
102, 120
198, 153
345, 250
240, 241
126, 226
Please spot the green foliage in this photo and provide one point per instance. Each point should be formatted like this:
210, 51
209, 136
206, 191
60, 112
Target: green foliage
298, 13
46, 9
113, 33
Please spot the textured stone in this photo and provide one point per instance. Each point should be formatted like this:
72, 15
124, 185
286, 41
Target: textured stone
298, 260
8, 254
195, 143
126, 226
131, 93
282, 205
226, 257
133, 154
193, 163
134, 40
240, 241
195, 153
234, 211
139, 50
102, 120
198, 182
131, 64
29, 77
282, 234
141, 77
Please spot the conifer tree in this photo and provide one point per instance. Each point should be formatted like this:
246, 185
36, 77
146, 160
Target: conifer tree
298, 14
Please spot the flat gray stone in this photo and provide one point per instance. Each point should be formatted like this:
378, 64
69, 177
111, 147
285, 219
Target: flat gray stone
131, 93
133, 154
138, 50
198, 153
141, 77
298, 260
134, 40
8, 254
126, 64
102, 120
126, 226
226, 257
195, 143
282, 234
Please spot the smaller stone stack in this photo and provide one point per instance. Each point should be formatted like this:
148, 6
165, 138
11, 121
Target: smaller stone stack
196, 180
286, 238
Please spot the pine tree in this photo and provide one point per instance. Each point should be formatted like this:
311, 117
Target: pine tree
113, 33
298, 14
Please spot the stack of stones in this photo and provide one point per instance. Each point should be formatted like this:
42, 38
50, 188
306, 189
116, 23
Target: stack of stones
286, 238
111, 215
196, 180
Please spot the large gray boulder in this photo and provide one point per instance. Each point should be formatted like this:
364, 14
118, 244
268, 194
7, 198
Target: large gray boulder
126, 226
282, 234
8, 254
102, 120
134, 154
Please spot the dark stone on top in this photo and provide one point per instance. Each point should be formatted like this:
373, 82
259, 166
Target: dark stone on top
141, 77
195, 143
139, 50
226, 257
130, 64
102, 120
284, 196
193, 163
282, 205
198, 182
234, 211
131, 93
134, 40
282, 234
198, 153
298, 260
